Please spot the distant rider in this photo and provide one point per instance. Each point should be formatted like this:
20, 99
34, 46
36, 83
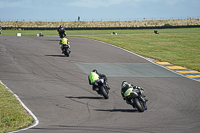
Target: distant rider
127, 88
61, 31
64, 41
94, 77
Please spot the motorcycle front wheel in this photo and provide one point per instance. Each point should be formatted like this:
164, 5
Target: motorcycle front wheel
104, 93
139, 104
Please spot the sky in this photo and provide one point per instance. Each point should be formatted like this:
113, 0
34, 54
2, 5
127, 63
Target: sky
97, 10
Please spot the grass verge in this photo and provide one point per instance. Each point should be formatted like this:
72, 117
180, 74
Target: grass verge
70, 32
12, 115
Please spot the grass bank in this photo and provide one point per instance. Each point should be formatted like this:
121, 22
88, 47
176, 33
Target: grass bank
12, 114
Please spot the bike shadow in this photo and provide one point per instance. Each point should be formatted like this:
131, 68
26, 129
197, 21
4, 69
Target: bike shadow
85, 97
117, 110
54, 40
56, 55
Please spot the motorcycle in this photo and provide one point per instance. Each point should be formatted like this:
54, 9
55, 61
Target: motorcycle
103, 89
66, 49
62, 35
138, 100
156, 32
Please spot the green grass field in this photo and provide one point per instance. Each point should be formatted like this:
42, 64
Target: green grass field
177, 46
70, 32
12, 114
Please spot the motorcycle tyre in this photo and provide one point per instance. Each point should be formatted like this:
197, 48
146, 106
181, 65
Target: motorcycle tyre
62, 35
139, 105
66, 52
104, 93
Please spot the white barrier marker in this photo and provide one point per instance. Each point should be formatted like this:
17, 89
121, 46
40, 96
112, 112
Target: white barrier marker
19, 34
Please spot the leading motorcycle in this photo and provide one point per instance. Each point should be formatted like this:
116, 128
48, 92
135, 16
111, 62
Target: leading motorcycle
138, 100
62, 35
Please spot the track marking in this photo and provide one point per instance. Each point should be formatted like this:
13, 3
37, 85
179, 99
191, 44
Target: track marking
36, 121
175, 67
187, 72
163, 63
195, 75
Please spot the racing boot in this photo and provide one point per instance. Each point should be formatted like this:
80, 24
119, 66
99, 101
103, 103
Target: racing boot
107, 86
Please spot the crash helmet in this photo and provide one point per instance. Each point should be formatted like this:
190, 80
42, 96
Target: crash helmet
95, 70
124, 83
61, 26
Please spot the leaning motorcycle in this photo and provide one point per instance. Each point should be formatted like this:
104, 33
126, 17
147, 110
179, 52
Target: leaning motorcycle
138, 101
66, 49
102, 88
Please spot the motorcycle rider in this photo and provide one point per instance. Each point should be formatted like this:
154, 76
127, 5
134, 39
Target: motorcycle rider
64, 41
94, 77
127, 88
61, 31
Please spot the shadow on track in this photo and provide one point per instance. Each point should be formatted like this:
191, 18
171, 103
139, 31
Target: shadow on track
117, 110
93, 129
84, 97
56, 55
54, 40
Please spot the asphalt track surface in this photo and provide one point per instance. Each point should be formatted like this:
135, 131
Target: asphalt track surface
55, 88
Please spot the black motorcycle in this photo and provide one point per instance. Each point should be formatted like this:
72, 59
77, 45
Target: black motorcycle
66, 49
102, 88
62, 35
138, 100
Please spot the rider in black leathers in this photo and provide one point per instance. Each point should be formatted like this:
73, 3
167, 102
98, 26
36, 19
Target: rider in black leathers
126, 88
61, 31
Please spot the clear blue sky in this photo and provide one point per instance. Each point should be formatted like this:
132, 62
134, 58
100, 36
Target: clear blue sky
97, 10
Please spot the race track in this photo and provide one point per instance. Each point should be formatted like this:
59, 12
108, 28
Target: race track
55, 88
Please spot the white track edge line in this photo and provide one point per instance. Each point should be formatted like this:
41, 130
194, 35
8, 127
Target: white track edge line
36, 121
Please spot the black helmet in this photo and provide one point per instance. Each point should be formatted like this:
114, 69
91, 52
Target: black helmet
124, 83
61, 26
95, 70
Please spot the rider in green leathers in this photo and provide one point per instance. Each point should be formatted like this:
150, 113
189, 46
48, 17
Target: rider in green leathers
94, 77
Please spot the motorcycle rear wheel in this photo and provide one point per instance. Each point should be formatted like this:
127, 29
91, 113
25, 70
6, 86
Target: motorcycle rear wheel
66, 52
